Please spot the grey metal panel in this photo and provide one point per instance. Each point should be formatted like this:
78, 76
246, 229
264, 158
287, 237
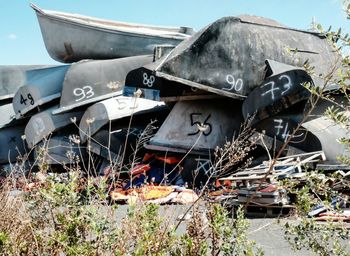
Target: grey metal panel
42, 86
99, 114
43, 124
12, 77
180, 130
329, 133
325, 129
72, 37
12, 144
228, 56
7, 115
89, 81
60, 150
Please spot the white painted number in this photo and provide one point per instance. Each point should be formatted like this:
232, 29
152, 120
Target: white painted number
272, 90
148, 81
287, 86
83, 93
280, 127
235, 85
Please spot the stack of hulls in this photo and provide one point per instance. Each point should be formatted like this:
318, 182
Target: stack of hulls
233, 71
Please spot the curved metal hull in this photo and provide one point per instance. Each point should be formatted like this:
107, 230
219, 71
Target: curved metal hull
101, 113
181, 129
12, 77
41, 87
228, 56
60, 150
43, 124
7, 115
87, 82
70, 38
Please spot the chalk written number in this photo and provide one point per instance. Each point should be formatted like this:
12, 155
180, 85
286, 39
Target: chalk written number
195, 117
83, 93
275, 90
25, 99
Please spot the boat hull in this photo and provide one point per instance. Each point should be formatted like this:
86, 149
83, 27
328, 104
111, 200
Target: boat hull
42, 86
101, 113
12, 77
43, 124
228, 56
87, 82
68, 41
12, 144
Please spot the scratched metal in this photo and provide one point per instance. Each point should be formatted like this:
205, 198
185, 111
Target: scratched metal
276, 94
284, 129
71, 37
103, 112
43, 124
221, 120
12, 144
228, 56
41, 86
87, 82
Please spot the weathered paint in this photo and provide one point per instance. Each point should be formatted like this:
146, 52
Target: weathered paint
71, 37
181, 128
42, 86
87, 82
103, 112
43, 124
228, 56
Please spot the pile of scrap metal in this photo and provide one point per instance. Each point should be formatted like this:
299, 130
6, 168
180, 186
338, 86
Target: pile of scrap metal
260, 186
201, 87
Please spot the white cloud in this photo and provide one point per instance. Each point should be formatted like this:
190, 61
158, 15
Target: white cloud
12, 36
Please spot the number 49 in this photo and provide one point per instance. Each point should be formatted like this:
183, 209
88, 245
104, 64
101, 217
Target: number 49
24, 100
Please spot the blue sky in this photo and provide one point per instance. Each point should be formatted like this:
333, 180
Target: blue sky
21, 41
